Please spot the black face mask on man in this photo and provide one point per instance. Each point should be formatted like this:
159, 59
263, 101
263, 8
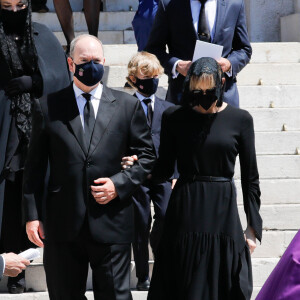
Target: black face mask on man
89, 73
147, 86
14, 21
205, 100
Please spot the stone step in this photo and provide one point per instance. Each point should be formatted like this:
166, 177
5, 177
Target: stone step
275, 53
284, 142
275, 167
108, 20
270, 74
108, 37
277, 217
275, 191
108, 5
44, 296
276, 119
36, 280
119, 55
280, 96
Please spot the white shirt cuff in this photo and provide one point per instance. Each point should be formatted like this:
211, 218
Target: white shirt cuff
229, 73
3, 264
174, 72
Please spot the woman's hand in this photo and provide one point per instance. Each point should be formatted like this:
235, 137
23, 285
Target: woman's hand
250, 238
19, 86
128, 161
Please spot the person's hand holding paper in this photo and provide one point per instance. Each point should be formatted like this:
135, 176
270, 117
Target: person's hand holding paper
203, 49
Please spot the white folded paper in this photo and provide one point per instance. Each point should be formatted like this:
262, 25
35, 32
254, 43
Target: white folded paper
30, 254
203, 49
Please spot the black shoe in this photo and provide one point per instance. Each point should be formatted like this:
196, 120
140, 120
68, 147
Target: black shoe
16, 285
143, 285
40, 8
16, 289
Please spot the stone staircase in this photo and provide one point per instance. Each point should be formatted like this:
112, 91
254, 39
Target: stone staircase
269, 88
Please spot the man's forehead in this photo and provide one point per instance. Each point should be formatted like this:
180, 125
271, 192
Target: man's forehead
88, 47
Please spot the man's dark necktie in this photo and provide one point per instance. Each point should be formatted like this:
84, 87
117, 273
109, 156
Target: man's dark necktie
89, 118
149, 111
203, 30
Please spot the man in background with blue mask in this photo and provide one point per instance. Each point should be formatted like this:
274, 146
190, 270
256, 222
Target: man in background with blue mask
84, 131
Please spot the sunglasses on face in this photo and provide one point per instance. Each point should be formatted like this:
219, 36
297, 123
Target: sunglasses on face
204, 92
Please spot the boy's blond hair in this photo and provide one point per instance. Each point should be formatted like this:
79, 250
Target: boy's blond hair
145, 63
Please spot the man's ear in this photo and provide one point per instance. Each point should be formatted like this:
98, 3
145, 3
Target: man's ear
132, 78
71, 65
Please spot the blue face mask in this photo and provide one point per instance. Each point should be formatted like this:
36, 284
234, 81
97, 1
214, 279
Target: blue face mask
147, 86
89, 73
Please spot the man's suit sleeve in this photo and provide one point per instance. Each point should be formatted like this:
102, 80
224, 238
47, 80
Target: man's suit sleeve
241, 48
1, 266
35, 167
158, 39
140, 144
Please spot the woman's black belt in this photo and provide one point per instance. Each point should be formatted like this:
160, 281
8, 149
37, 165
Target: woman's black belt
205, 178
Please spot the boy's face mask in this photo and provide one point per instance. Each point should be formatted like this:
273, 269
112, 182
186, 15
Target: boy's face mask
147, 86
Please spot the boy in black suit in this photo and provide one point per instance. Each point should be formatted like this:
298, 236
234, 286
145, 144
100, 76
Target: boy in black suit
143, 72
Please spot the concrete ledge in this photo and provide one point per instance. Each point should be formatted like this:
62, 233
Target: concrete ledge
289, 28
273, 119
275, 52
275, 167
270, 74
108, 20
275, 191
277, 217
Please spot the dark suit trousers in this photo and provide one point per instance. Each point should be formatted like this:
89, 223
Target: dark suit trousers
66, 265
160, 195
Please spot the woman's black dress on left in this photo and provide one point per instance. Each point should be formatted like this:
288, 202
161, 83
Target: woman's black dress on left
50, 74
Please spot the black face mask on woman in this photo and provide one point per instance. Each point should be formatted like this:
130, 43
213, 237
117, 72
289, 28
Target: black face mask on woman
205, 100
147, 86
89, 73
14, 22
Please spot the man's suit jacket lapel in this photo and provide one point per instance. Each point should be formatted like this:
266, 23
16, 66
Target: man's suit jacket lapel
221, 10
157, 112
105, 113
75, 120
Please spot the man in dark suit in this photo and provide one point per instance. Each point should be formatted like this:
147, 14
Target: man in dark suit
143, 71
180, 23
85, 130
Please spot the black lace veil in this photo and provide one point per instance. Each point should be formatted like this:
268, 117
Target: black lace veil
204, 65
21, 58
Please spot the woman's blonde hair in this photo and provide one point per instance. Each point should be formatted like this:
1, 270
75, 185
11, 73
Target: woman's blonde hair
205, 79
145, 63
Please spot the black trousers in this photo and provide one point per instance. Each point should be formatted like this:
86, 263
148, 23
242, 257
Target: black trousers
13, 232
160, 195
66, 265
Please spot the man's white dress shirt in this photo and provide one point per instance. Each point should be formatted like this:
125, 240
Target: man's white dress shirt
96, 94
210, 14
141, 98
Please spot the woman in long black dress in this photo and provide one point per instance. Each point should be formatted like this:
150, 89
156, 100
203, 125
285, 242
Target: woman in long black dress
32, 64
204, 253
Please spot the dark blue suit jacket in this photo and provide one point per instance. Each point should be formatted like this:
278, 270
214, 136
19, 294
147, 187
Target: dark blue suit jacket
159, 107
173, 27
